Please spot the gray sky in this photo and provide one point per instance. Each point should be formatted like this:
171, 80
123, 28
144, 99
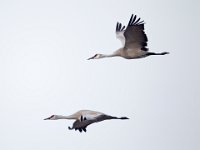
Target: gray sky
44, 45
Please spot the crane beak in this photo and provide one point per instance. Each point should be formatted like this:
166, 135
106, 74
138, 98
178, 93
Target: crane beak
92, 57
47, 118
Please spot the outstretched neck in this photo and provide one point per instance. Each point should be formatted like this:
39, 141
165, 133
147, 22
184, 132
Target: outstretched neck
116, 53
109, 55
65, 117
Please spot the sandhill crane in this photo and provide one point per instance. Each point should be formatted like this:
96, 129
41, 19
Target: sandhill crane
134, 41
84, 118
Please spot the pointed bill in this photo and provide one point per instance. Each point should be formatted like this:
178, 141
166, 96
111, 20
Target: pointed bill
91, 57
47, 118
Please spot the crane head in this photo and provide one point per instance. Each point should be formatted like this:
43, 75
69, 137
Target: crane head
52, 117
96, 56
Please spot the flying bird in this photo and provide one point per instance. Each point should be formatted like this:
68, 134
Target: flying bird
133, 39
83, 118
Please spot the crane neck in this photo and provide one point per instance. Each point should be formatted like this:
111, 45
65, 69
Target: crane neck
116, 53
65, 117
109, 55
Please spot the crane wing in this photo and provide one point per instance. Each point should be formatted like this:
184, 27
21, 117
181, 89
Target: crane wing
120, 33
87, 120
82, 124
134, 34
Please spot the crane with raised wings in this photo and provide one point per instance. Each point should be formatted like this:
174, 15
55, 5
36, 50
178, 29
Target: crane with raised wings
133, 39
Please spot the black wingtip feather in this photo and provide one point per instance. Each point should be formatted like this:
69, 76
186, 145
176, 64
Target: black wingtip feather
84, 129
141, 22
137, 21
80, 130
119, 27
129, 23
123, 28
134, 21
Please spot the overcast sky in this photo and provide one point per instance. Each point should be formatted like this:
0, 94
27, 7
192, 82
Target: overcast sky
44, 45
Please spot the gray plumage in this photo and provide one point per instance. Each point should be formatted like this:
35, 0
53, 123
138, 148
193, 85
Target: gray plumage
133, 39
84, 118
